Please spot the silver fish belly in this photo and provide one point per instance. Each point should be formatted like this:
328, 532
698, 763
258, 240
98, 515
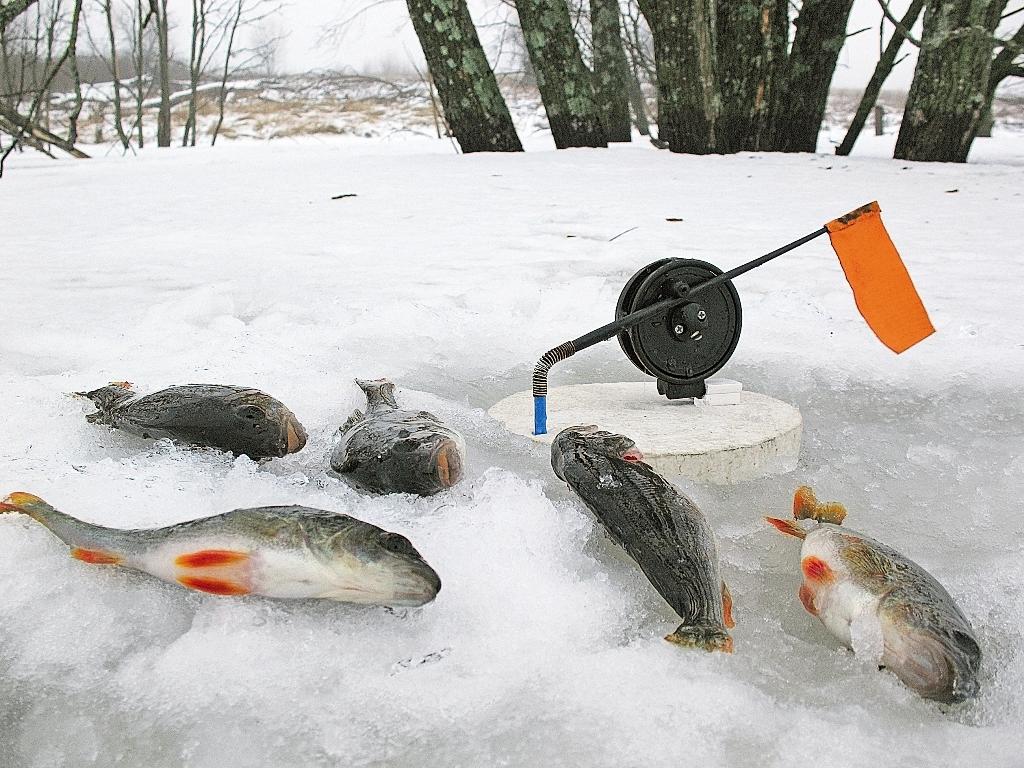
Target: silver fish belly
287, 552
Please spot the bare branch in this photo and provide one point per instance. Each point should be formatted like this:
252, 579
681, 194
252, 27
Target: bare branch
900, 29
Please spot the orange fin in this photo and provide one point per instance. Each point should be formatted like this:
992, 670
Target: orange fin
807, 507
816, 569
213, 586
21, 499
727, 618
788, 527
95, 556
210, 558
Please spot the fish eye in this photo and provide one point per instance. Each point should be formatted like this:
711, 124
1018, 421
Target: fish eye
250, 412
398, 544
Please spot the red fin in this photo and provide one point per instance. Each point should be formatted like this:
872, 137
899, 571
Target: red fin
633, 454
807, 598
727, 607
788, 527
816, 569
213, 586
210, 558
95, 556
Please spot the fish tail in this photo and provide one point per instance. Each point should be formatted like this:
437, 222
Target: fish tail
77, 534
378, 391
710, 637
787, 526
106, 398
807, 507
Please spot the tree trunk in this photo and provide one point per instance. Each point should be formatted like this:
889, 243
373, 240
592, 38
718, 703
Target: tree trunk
948, 95
163, 125
140, 68
611, 72
820, 34
222, 96
882, 70
473, 106
752, 38
689, 101
639, 104
115, 74
566, 85
1003, 67
76, 78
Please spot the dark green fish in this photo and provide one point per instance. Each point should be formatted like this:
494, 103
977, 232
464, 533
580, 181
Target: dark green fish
239, 420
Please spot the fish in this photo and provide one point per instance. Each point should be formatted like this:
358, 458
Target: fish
281, 552
880, 603
658, 526
392, 450
239, 420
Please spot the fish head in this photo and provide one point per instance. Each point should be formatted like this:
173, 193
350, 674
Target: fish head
590, 450
109, 397
267, 426
379, 567
932, 652
423, 458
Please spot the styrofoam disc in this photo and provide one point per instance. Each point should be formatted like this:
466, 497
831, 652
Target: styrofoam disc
715, 444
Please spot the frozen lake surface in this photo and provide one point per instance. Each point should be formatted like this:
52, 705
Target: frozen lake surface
451, 275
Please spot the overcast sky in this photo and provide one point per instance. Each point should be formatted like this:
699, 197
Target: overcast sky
383, 34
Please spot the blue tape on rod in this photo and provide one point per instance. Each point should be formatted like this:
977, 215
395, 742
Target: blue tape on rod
540, 415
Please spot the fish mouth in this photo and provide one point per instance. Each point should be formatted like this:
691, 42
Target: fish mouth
295, 436
448, 463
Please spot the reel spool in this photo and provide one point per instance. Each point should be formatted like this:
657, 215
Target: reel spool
685, 344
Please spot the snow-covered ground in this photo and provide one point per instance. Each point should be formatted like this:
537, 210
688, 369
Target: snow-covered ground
452, 274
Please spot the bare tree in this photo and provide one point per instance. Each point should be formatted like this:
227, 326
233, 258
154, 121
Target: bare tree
76, 78
950, 91
886, 62
163, 125
474, 108
108, 14
566, 85
689, 99
11, 10
611, 71
820, 34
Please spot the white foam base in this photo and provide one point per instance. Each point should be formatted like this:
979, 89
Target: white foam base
723, 444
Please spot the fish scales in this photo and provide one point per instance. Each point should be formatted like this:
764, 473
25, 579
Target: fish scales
659, 527
284, 552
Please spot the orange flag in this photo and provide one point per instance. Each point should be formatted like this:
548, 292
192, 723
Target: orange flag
881, 285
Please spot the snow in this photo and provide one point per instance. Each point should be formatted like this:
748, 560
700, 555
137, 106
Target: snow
451, 275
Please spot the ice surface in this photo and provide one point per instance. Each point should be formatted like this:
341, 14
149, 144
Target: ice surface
451, 275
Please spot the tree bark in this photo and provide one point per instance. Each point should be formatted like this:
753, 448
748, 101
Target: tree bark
949, 93
76, 78
222, 96
611, 72
882, 70
12, 9
115, 74
473, 106
689, 101
1003, 67
566, 85
163, 125
820, 34
752, 39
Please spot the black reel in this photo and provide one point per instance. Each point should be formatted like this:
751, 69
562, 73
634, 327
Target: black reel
686, 345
